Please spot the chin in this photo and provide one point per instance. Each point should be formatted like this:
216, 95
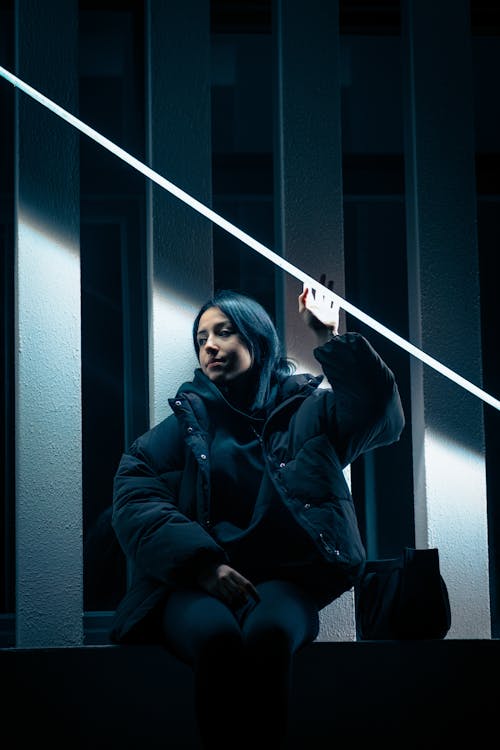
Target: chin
215, 377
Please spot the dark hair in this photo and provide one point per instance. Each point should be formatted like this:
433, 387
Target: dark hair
257, 331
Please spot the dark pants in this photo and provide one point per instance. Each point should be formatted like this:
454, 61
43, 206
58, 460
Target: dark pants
242, 660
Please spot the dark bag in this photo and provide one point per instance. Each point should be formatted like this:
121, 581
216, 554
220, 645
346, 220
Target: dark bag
403, 598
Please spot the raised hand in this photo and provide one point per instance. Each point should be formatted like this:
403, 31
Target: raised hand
320, 311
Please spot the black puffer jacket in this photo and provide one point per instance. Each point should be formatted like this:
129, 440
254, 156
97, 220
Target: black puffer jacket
161, 504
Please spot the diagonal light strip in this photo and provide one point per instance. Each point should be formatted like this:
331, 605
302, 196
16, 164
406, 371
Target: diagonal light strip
248, 240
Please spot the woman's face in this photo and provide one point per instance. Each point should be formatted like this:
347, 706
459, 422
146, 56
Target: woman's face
223, 356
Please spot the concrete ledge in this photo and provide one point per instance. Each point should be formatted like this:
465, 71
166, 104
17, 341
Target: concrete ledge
389, 694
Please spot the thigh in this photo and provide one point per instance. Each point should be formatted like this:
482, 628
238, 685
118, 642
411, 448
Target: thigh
285, 608
192, 620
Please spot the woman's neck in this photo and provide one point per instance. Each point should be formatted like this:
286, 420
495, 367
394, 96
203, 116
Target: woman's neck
241, 391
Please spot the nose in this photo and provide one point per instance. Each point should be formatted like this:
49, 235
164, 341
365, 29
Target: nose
210, 343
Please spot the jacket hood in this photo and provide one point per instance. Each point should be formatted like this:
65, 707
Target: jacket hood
289, 386
201, 386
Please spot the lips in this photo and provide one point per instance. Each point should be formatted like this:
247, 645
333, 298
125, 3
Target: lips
215, 363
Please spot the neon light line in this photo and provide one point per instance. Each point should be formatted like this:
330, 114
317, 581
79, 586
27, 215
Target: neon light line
247, 239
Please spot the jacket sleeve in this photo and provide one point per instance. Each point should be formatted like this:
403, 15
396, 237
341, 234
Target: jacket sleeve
366, 407
156, 537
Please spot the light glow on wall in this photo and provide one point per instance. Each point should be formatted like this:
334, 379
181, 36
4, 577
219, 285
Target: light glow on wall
48, 435
172, 316
455, 491
451, 514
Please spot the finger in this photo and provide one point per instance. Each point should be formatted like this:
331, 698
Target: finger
247, 588
322, 280
240, 587
252, 591
302, 299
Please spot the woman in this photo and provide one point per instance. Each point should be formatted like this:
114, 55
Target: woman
235, 514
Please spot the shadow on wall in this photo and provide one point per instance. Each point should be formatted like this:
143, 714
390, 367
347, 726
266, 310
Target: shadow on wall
105, 565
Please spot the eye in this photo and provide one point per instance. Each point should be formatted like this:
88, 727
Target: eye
226, 332
202, 341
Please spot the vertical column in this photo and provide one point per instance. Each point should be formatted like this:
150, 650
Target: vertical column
308, 164
308, 173
49, 598
179, 147
444, 309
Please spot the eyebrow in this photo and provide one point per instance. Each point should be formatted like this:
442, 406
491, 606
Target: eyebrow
221, 324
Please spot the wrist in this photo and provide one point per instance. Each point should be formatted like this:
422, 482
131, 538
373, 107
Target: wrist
323, 336
326, 334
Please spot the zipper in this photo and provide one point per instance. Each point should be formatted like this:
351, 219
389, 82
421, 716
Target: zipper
257, 434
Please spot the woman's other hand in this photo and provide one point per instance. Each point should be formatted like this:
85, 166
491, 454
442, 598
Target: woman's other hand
320, 311
227, 584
